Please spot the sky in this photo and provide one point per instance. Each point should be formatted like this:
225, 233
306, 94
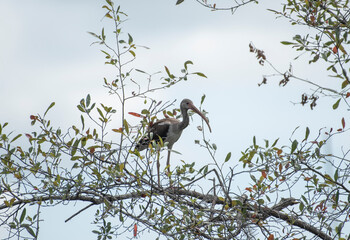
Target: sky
46, 56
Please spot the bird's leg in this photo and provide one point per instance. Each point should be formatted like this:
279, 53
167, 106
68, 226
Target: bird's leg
158, 165
168, 161
168, 167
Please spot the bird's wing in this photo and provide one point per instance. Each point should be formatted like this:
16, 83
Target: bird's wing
158, 130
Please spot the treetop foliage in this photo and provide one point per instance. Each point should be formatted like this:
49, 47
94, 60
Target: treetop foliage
293, 190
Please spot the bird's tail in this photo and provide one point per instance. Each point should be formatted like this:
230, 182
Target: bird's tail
142, 144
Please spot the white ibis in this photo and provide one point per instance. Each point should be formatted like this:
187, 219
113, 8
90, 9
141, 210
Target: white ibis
169, 130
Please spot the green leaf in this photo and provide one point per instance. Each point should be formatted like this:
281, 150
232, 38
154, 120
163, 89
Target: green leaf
103, 34
304, 199
179, 1
104, 6
130, 39
88, 99
83, 141
206, 169
162, 211
92, 107
110, 3
100, 112
307, 132
202, 99
15, 138
253, 178
336, 104
301, 206
140, 70
51, 105
294, 146
344, 84
186, 63
275, 142
22, 215
30, 231
286, 43
126, 126
95, 35
82, 102
76, 158
228, 156
121, 167
80, 108
200, 74
145, 112
167, 70
132, 53
336, 175
108, 16
75, 146
82, 121
266, 143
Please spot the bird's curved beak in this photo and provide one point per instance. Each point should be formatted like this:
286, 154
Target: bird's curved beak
192, 107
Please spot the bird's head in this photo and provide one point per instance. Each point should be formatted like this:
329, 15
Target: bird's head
188, 104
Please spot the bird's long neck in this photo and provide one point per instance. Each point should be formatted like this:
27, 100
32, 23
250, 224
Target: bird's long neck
185, 119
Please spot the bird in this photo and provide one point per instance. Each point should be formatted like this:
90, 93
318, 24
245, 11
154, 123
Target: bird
169, 130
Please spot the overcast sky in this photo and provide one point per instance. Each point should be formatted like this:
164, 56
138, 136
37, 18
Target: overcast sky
46, 57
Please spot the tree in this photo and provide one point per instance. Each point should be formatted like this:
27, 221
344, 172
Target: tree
326, 39
84, 164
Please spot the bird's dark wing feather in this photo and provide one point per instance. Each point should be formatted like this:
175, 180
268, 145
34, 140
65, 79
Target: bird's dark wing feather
158, 130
